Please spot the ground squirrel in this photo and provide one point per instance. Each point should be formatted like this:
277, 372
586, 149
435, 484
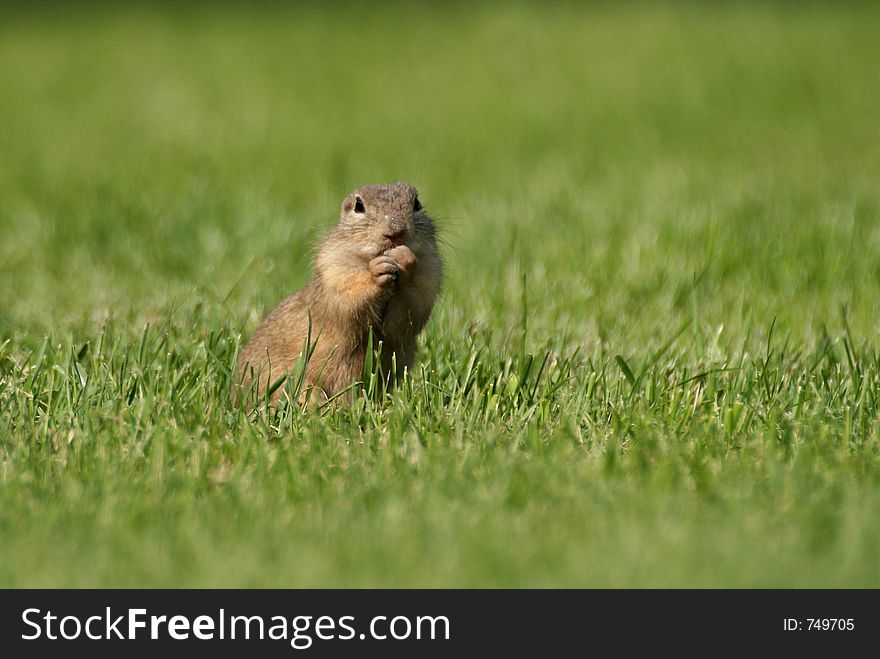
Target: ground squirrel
378, 270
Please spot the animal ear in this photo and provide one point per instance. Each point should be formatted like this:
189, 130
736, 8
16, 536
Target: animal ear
347, 204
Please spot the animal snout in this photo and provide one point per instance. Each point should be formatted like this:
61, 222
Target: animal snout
394, 229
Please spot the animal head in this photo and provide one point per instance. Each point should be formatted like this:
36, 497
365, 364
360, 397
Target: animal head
384, 216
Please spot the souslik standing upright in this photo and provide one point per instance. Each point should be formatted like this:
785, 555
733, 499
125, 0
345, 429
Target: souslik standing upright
378, 270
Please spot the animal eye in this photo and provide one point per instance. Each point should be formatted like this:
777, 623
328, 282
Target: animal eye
359, 205
417, 205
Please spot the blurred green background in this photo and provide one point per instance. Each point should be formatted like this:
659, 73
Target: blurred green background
676, 204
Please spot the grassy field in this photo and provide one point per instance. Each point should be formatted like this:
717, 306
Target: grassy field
655, 361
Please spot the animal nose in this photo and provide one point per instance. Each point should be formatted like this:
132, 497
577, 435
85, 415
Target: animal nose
394, 229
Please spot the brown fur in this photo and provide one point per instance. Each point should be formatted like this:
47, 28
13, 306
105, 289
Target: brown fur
377, 270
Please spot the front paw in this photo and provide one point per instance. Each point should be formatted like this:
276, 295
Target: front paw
404, 257
384, 270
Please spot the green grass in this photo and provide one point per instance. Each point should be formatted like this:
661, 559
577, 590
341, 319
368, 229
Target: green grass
655, 361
